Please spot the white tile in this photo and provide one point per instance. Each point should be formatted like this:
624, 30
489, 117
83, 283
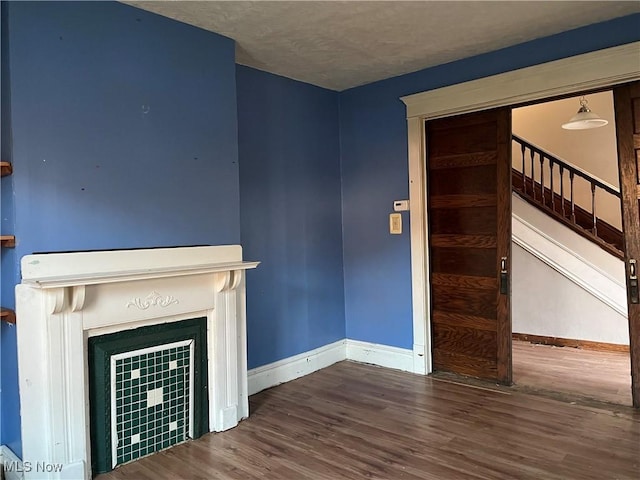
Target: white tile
173, 426
154, 397
135, 439
173, 364
135, 374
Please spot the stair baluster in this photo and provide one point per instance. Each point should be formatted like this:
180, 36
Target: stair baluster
524, 184
553, 197
533, 176
578, 218
542, 179
593, 208
573, 205
564, 213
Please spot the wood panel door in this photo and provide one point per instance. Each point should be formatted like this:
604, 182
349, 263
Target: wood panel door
469, 212
627, 107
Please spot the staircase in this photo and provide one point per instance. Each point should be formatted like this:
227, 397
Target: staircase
547, 182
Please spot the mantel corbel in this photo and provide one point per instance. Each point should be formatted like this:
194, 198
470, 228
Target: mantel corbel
77, 297
56, 300
226, 281
59, 298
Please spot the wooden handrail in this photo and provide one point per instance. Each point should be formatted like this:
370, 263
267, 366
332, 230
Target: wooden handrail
568, 166
540, 192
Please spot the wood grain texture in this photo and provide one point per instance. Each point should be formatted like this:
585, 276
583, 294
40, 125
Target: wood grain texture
571, 343
5, 169
608, 238
452, 240
503, 244
467, 301
352, 421
7, 315
465, 340
457, 260
465, 221
7, 241
461, 364
452, 280
463, 160
476, 139
462, 320
626, 101
463, 201
469, 213
576, 374
448, 181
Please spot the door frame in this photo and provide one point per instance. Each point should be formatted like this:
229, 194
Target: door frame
589, 71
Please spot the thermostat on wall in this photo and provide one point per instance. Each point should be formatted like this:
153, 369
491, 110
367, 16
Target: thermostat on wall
400, 205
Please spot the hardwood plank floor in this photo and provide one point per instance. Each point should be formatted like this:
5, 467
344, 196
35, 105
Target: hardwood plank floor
354, 421
602, 376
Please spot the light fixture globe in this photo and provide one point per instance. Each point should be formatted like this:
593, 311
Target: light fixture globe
584, 119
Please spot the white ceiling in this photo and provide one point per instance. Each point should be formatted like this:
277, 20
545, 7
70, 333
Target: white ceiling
343, 44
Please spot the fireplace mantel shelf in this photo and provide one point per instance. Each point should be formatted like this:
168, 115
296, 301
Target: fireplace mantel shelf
60, 281
65, 298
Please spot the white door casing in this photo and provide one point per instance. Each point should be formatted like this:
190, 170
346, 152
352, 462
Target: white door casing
589, 71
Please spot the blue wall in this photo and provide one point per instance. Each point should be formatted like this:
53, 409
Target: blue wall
125, 131
374, 173
93, 168
290, 210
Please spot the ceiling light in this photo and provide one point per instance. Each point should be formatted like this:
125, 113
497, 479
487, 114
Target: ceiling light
584, 119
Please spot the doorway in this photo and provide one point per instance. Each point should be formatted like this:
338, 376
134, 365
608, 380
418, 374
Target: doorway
570, 323
590, 71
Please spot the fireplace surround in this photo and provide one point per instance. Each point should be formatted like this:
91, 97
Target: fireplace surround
65, 298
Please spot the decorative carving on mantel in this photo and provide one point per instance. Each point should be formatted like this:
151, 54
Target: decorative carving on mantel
154, 299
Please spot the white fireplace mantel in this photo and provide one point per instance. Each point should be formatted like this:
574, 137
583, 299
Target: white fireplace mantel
65, 298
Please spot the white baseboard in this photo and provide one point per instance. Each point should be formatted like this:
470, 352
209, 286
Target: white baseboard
294, 367
11, 464
288, 369
381, 355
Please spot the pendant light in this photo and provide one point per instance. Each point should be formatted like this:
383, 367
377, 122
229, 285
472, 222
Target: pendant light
584, 119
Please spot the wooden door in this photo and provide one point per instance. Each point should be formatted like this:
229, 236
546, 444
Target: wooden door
469, 212
627, 106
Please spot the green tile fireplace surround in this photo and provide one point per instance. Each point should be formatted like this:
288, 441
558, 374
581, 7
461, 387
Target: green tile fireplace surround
159, 393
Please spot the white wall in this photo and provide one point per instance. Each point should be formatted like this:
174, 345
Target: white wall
593, 150
563, 285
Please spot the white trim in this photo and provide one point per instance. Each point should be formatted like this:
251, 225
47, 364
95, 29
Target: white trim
128, 289
297, 366
602, 68
8, 458
419, 259
572, 266
56, 270
592, 70
381, 355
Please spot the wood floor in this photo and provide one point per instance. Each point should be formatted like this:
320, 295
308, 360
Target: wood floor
354, 421
602, 376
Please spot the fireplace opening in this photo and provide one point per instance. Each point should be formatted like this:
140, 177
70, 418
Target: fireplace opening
147, 390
